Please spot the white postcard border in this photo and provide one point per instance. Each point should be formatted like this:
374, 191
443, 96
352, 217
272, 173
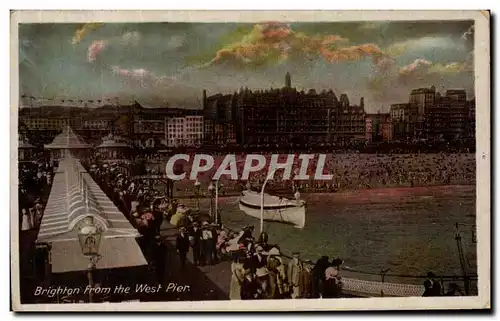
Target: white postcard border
483, 157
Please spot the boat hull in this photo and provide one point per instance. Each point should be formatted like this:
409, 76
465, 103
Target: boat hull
295, 215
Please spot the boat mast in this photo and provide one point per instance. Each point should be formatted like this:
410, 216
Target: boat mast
262, 201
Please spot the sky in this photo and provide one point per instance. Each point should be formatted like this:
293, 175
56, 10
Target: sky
169, 64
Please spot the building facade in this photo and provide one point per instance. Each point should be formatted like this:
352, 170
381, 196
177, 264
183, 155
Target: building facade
404, 118
220, 117
283, 116
184, 131
433, 116
448, 117
376, 127
145, 127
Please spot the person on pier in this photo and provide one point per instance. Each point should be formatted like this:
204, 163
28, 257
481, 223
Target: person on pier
182, 245
160, 253
213, 243
237, 276
306, 280
259, 266
318, 276
206, 244
25, 225
195, 239
294, 270
333, 285
250, 288
432, 286
277, 275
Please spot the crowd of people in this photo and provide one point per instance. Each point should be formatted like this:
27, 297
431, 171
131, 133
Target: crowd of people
352, 171
35, 178
258, 269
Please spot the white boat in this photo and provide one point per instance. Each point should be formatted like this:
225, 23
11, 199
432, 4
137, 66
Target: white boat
276, 208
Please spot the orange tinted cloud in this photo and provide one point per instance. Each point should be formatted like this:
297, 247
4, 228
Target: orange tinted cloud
83, 31
273, 42
351, 53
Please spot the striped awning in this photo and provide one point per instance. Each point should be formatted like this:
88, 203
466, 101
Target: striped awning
73, 197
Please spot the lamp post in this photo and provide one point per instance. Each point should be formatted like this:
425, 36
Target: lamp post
262, 202
214, 191
197, 193
211, 192
89, 237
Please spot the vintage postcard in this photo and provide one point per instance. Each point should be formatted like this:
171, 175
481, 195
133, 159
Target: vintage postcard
203, 160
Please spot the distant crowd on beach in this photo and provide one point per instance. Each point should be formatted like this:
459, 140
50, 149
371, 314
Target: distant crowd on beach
352, 171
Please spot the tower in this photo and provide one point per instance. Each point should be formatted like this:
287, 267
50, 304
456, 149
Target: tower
288, 80
362, 102
204, 101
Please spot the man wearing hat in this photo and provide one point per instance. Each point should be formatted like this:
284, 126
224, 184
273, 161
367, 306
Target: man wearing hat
195, 240
182, 245
306, 280
206, 243
432, 286
259, 265
275, 267
294, 270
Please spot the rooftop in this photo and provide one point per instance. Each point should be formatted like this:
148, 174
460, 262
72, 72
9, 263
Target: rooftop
67, 140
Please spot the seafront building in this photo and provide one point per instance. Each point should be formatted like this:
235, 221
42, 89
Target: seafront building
432, 116
276, 116
282, 116
184, 131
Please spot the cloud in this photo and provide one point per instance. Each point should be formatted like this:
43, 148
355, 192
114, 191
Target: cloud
351, 53
83, 31
275, 42
391, 82
450, 68
139, 77
422, 67
415, 67
142, 77
95, 49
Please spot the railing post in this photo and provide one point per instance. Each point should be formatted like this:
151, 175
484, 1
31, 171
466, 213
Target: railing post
383, 272
461, 257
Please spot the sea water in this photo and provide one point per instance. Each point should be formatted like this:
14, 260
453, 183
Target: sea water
410, 231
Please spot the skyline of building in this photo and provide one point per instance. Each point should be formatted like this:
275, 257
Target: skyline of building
265, 117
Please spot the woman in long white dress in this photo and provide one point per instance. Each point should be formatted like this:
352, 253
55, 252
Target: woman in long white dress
25, 225
237, 276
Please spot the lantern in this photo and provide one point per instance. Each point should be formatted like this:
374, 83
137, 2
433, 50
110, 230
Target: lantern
89, 237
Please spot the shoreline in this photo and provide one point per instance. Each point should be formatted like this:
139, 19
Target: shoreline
379, 191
